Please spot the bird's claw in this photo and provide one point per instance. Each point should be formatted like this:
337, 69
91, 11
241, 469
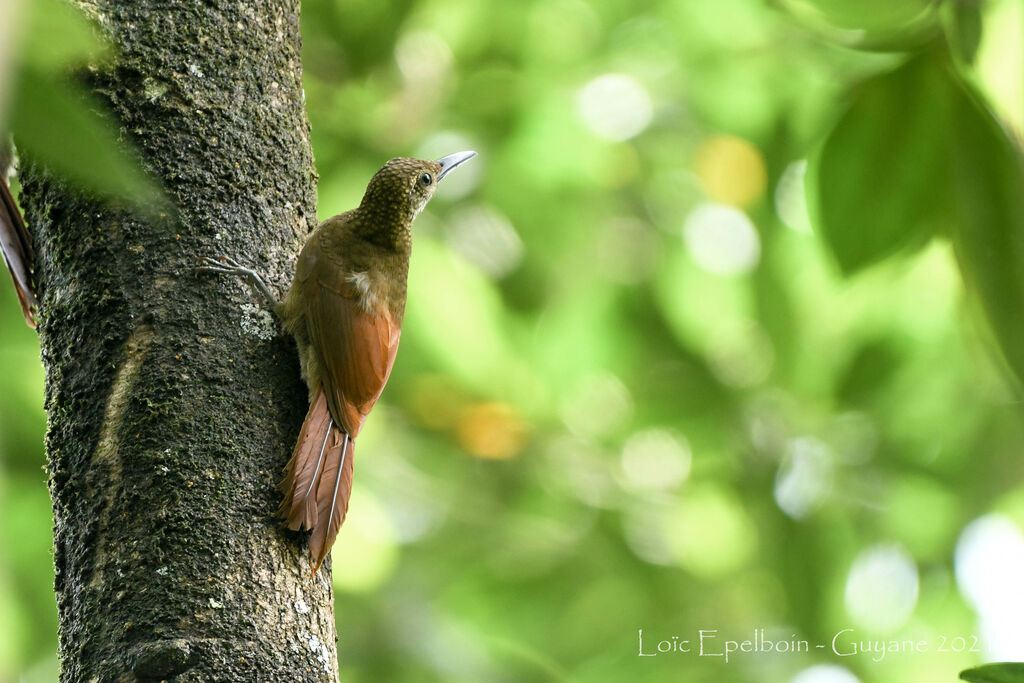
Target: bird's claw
229, 266
221, 264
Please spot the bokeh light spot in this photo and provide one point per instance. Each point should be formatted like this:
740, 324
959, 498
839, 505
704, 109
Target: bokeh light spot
644, 533
722, 239
598, 405
423, 57
989, 567
790, 197
494, 431
805, 477
615, 106
710, 533
577, 468
882, 588
459, 184
731, 170
656, 459
487, 239
824, 673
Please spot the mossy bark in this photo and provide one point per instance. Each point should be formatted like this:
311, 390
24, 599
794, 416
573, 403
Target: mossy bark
173, 402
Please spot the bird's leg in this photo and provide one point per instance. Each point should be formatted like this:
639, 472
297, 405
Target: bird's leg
229, 266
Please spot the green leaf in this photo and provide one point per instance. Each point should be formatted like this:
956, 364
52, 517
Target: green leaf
965, 28
58, 36
873, 25
878, 184
60, 127
1005, 672
865, 15
988, 193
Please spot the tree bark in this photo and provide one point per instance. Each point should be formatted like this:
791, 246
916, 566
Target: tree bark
173, 402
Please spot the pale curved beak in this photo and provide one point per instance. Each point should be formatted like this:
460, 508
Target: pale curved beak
451, 161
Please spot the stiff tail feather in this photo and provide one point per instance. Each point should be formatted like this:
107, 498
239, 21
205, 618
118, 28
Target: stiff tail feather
318, 480
333, 493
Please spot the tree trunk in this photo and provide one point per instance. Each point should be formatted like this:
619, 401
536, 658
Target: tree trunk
173, 402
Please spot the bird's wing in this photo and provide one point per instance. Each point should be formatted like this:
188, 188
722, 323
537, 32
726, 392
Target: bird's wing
356, 347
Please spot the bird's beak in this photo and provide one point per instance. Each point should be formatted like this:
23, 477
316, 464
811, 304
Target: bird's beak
451, 161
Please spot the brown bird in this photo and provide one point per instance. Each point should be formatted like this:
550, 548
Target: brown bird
16, 245
345, 309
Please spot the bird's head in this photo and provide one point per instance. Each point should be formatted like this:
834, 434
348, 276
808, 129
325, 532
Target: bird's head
400, 190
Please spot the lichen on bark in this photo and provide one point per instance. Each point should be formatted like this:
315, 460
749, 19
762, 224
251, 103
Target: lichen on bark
170, 412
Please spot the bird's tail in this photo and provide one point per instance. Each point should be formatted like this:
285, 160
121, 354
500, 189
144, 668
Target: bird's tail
318, 480
17, 252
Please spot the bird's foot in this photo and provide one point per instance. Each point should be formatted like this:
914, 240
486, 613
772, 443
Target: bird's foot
229, 266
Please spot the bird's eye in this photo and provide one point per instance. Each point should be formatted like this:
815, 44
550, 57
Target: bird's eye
425, 179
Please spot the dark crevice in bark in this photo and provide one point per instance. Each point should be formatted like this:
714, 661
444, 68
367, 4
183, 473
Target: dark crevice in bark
172, 404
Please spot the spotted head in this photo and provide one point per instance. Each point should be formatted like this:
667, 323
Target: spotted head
399, 191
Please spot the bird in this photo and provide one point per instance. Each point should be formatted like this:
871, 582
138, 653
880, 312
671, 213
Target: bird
16, 244
344, 308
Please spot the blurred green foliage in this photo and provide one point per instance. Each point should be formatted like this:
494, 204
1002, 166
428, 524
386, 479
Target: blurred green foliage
640, 387
56, 122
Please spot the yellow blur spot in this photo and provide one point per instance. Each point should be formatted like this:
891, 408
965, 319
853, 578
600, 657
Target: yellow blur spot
730, 170
435, 401
491, 430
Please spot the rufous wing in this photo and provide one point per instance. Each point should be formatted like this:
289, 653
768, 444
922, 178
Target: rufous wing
356, 348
